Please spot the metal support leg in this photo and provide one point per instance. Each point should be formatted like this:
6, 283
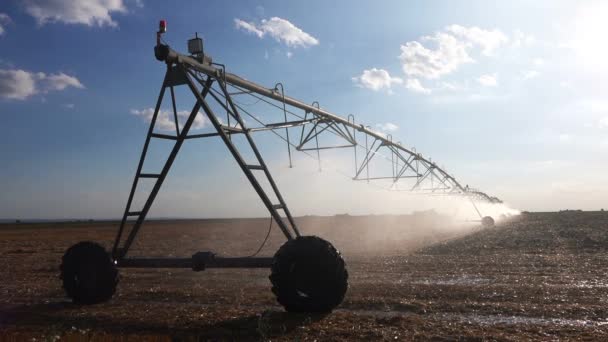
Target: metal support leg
141, 215
247, 169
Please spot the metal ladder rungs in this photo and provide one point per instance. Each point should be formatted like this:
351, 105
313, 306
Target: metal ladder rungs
148, 175
277, 206
255, 167
163, 136
134, 213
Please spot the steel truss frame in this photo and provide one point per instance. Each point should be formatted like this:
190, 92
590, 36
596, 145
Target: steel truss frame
199, 75
177, 75
315, 122
405, 163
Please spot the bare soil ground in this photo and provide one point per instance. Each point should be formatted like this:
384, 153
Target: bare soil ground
539, 276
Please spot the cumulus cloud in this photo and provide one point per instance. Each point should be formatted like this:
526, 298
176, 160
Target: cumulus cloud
603, 123
447, 50
20, 84
139, 3
376, 79
414, 85
4, 20
449, 54
86, 12
529, 74
388, 127
522, 39
453, 86
487, 40
61, 81
248, 27
280, 29
17, 84
165, 122
488, 80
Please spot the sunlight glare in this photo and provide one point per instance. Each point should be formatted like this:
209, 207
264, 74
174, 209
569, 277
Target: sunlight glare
590, 30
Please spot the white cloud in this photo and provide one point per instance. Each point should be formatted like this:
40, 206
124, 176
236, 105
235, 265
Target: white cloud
17, 84
594, 106
4, 20
522, 39
417, 60
20, 84
376, 79
86, 12
289, 54
488, 80
449, 50
487, 40
389, 127
603, 123
529, 74
538, 61
249, 27
139, 3
61, 81
280, 29
164, 120
453, 86
414, 85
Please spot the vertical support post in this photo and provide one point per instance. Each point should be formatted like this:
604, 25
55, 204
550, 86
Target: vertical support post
276, 87
367, 151
398, 157
354, 139
316, 104
416, 155
390, 138
303, 126
226, 100
431, 167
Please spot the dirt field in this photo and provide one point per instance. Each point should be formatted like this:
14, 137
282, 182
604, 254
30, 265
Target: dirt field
538, 276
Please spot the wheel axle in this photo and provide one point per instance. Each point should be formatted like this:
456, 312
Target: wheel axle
198, 262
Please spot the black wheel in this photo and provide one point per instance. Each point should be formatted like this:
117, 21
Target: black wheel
308, 275
88, 273
487, 221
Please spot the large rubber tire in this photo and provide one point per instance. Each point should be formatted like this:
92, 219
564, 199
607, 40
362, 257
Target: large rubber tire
308, 274
88, 273
487, 221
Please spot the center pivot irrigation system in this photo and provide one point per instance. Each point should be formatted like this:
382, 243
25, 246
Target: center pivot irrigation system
307, 273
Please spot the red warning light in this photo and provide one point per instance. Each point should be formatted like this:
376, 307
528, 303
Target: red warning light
162, 27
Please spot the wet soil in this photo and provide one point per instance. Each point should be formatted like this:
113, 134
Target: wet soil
538, 276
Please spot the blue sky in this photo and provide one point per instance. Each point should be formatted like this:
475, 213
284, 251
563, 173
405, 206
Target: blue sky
507, 95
